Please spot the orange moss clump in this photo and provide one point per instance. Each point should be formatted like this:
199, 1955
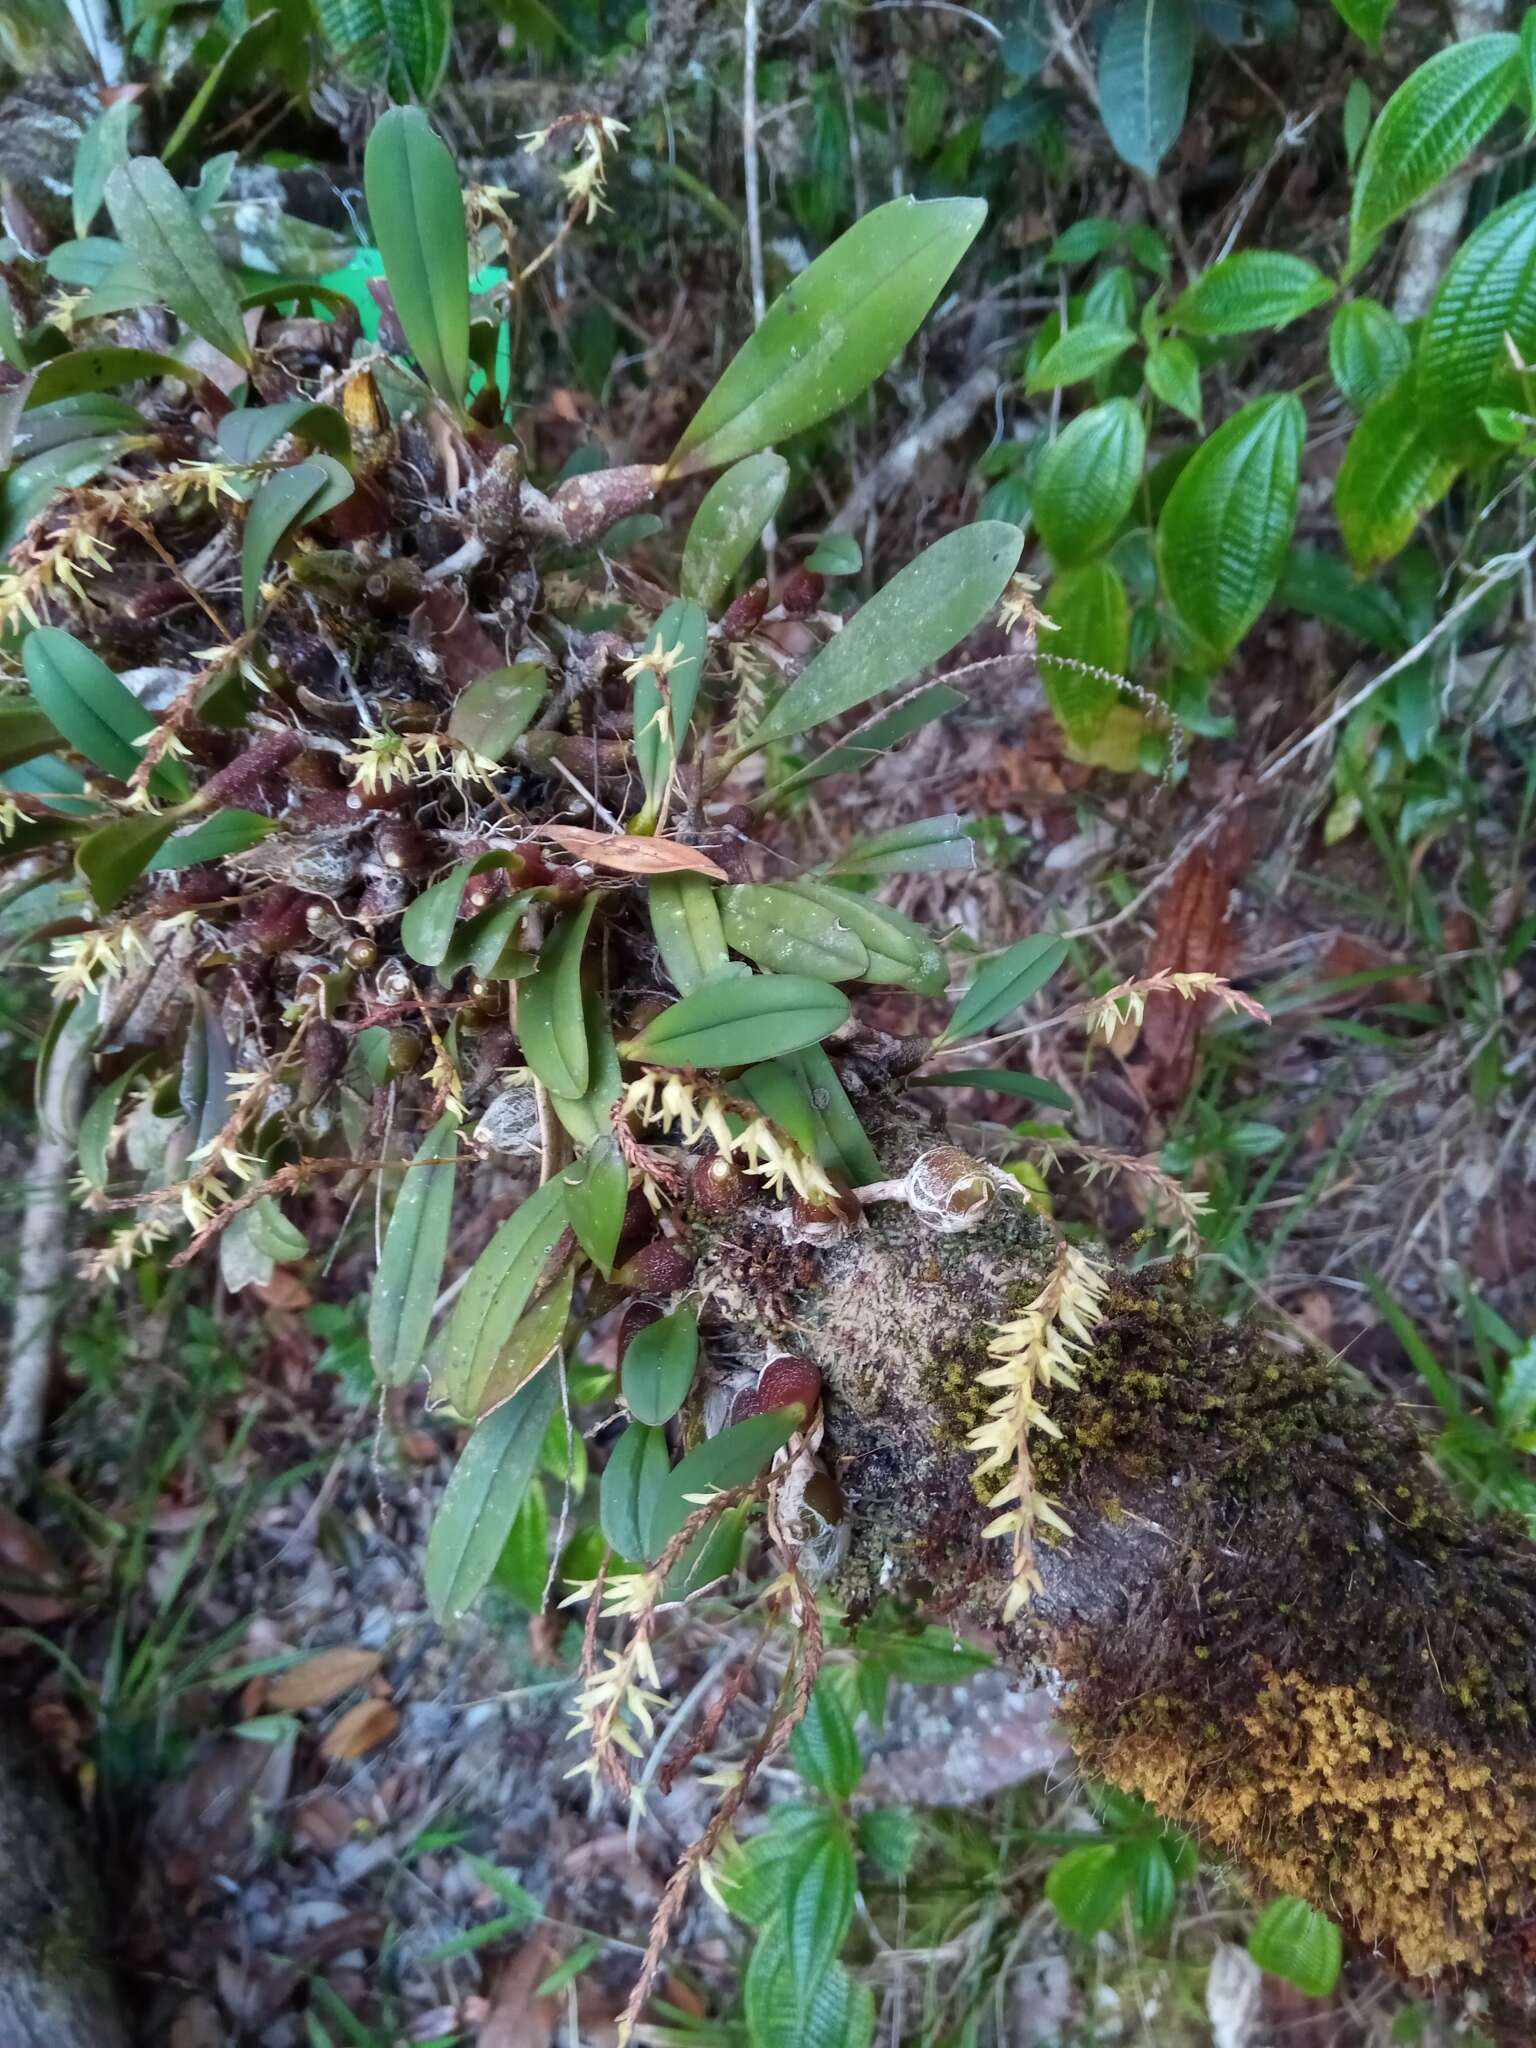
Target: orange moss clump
1418, 1845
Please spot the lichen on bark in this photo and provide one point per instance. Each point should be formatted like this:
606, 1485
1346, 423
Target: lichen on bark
1272, 1619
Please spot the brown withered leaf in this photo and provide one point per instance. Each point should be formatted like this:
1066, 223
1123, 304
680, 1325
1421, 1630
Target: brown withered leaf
323, 1823
631, 854
445, 623
32, 1585
516, 2018
1350, 958
321, 1678
361, 1728
1194, 936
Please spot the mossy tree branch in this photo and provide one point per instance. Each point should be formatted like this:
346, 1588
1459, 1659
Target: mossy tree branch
1272, 1619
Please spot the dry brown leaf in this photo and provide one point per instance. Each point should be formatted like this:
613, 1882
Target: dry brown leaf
321, 1678
31, 1577
283, 1291
360, 1729
323, 1823
1193, 937
205, 1822
1347, 956
517, 2019
631, 854
445, 623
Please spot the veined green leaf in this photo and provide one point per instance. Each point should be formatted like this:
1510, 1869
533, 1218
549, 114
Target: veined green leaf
633, 1480
1087, 480
820, 1881
1082, 352
1366, 17
417, 213
733, 1022
113, 857
103, 146
551, 1025
1092, 615
1291, 1939
728, 526
155, 221
596, 1193
837, 2013
482, 1499
1429, 126
1145, 63
1173, 375
1087, 1885
689, 936
284, 502
661, 723
1368, 352
405, 42
1485, 305
496, 710
1003, 984
405, 1288
1391, 475
916, 618
1152, 1884
660, 1365
833, 330
1256, 288
824, 1748
500, 1286
788, 934
1321, 586
1226, 525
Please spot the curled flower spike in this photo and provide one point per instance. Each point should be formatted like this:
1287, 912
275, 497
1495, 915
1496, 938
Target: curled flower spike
1018, 606
89, 960
658, 1099
1127, 1003
1038, 1349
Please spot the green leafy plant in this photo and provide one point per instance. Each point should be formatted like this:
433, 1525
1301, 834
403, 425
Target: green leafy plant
1134, 1860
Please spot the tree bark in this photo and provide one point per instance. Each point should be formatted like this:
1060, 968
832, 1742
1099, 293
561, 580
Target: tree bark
1272, 1619
54, 1992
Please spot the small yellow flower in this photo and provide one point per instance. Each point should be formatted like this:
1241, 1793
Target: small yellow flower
659, 663
1018, 606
